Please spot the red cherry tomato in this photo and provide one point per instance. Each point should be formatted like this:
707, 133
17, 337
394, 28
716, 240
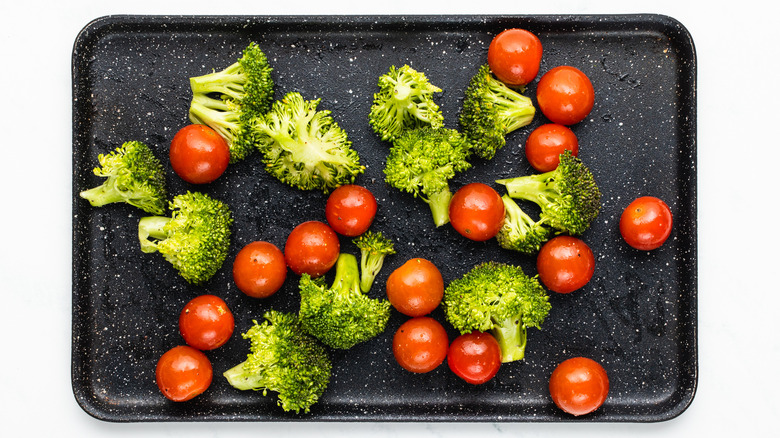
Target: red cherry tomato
350, 210
259, 269
420, 344
475, 357
565, 95
183, 373
546, 143
415, 288
206, 322
579, 385
198, 154
477, 211
565, 264
311, 248
514, 56
646, 223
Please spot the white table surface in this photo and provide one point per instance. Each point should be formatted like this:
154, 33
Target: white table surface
738, 300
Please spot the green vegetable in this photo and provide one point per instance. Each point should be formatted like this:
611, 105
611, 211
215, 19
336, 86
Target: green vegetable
285, 360
519, 232
133, 175
422, 162
341, 316
500, 299
306, 148
195, 239
568, 196
404, 101
490, 111
228, 101
374, 247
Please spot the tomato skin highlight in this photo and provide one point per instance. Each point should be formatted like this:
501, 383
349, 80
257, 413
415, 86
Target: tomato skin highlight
311, 248
579, 385
514, 56
350, 210
259, 269
475, 357
476, 211
420, 344
415, 288
565, 95
206, 322
565, 264
183, 373
646, 223
198, 154
546, 143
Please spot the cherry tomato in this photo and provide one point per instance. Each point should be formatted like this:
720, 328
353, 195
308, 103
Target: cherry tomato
206, 322
183, 373
579, 385
311, 248
477, 211
646, 223
198, 154
546, 143
514, 56
415, 288
420, 344
475, 357
350, 210
259, 269
565, 264
565, 95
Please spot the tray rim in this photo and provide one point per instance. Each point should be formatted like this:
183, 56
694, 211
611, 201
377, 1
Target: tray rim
105, 24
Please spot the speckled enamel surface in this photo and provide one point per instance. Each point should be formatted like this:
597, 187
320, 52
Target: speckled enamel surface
637, 316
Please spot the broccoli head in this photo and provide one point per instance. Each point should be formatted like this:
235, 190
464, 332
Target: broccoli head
374, 247
404, 101
568, 196
519, 232
133, 175
341, 316
229, 100
195, 239
285, 360
500, 299
490, 111
422, 162
305, 148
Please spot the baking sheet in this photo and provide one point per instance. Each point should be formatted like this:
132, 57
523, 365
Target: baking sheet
637, 316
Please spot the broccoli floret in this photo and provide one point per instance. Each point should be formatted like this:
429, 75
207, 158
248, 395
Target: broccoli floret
285, 360
195, 239
341, 316
133, 175
374, 247
568, 196
422, 162
498, 298
404, 101
490, 111
229, 100
306, 148
519, 232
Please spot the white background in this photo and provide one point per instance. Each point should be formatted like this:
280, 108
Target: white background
738, 101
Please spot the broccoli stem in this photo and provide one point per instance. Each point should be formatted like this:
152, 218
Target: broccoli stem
347, 273
103, 194
440, 206
151, 227
527, 187
511, 336
370, 265
238, 378
224, 82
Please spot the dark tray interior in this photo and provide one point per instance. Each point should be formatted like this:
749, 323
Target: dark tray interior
637, 316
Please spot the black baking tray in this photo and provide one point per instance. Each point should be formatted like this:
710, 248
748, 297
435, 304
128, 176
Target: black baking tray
637, 316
